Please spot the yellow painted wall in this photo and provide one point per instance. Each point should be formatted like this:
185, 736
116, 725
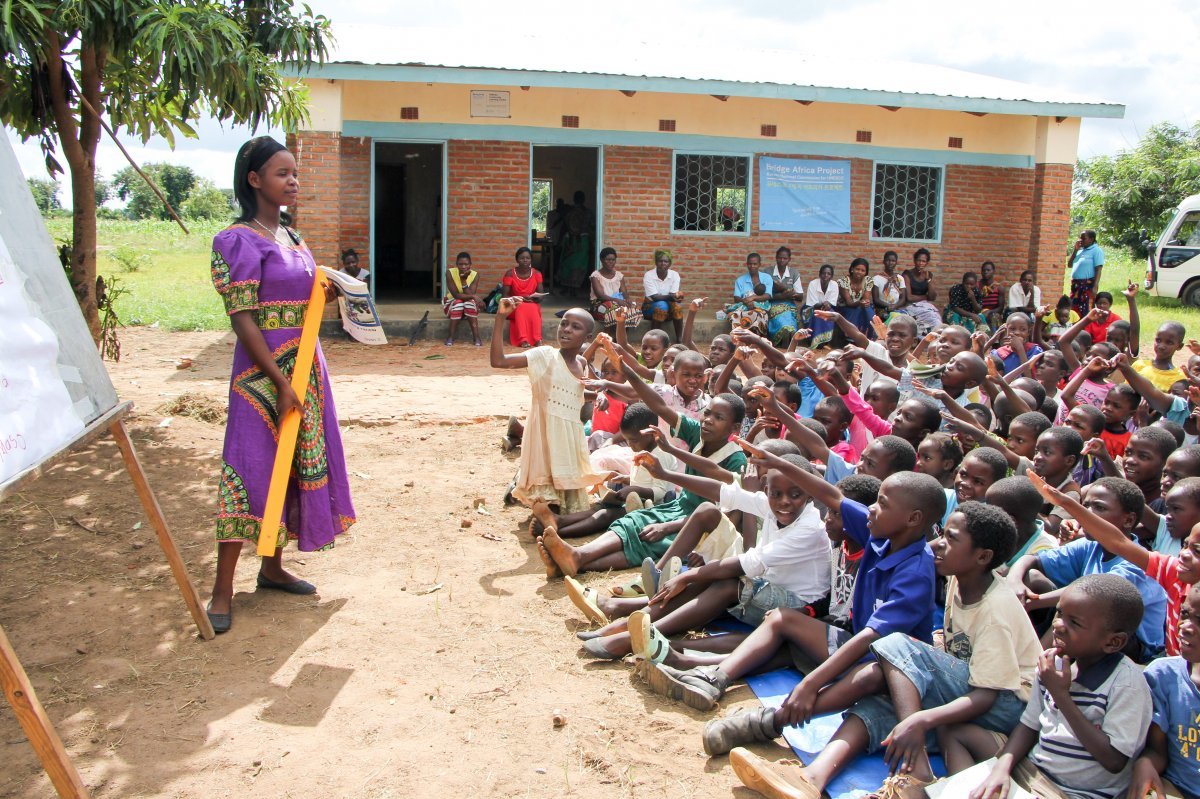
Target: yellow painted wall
738, 117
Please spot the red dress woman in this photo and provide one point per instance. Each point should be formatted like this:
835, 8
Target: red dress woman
525, 322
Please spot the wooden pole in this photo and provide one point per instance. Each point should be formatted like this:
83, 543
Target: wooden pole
134, 466
289, 427
37, 726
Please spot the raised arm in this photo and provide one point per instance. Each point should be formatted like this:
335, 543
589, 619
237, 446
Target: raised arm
1093, 368
646, 393
853, 334
807, 440
1065, 340
705, 487
1135, 324
812, 484
499, 359
881, 365
1101, 531
918, 353
689, 323
1156, 399
741, 336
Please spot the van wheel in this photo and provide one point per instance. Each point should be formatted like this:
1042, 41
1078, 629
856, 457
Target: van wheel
1191, 294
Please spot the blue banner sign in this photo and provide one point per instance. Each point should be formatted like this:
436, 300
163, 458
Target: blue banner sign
802, 195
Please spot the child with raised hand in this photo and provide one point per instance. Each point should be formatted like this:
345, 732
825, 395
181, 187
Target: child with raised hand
1172, 407
1018, 348
1167, 766
1161, 369
649, 532
883, 457
1088, 711
555, 473
1040, 580
981, 674
894, 592
1173, 573
1017, 497
1098, 329
647, 360
788, 566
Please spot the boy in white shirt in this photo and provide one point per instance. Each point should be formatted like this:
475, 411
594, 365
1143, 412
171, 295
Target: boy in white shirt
788, 566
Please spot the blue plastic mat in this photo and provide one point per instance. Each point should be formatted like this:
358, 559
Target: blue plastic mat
862, 776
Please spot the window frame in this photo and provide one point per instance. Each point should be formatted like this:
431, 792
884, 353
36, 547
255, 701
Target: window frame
747, 216
941, 202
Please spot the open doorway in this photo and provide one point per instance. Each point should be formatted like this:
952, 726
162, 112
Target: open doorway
564, 199
408, 220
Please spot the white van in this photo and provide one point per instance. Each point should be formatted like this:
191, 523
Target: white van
1173, 262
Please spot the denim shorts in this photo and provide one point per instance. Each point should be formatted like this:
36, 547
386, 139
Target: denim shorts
757, 597
940, 678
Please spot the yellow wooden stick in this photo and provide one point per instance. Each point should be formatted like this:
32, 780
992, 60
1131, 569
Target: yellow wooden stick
289, 426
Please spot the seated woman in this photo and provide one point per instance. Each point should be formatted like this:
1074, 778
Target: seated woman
994, 300
1024, 296
525, 321
887, 289
822, 295
855, 302
663, 299
608, 292
752, 297
783, 321
965, 305
461, 300
918, 285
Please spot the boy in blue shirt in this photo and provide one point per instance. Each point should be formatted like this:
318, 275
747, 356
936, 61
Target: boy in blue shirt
1041, 579
1172, 754
894, 592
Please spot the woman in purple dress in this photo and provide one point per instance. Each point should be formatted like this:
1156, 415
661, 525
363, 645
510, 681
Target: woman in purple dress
264, 273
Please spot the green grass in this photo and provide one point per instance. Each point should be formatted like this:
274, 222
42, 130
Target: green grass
165, 272
1122, 269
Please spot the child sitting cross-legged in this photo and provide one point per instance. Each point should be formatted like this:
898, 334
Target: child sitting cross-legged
649, 532
788, 565
894, 592
981, 674
1167, 766
1040, 580
1088, 711
1173, 574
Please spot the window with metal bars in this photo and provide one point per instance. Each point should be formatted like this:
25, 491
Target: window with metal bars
906, 202
710, 193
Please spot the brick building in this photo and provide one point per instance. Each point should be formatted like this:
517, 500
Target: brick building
410, 163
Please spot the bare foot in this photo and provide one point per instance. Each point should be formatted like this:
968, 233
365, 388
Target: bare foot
563, 554
543, 514
552, 569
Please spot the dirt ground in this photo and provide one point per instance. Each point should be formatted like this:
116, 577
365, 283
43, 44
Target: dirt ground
430, 664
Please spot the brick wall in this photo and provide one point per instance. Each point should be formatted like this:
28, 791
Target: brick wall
487, 199
1048, 242
988, 216
1017, 218
317, 214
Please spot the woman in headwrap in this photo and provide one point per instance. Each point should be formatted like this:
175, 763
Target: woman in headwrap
663, 299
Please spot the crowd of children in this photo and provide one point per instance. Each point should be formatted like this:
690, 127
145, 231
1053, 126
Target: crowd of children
980, 542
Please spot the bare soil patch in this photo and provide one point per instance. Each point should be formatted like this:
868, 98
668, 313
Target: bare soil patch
379, 686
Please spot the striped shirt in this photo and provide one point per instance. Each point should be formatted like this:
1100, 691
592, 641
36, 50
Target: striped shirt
1112, 695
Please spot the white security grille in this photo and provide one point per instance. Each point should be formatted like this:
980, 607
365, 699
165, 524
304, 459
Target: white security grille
907, 202
710, 193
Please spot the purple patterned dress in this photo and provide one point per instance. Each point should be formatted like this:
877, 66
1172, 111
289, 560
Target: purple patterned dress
252, 272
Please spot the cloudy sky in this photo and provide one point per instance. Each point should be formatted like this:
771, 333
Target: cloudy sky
1144, 55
